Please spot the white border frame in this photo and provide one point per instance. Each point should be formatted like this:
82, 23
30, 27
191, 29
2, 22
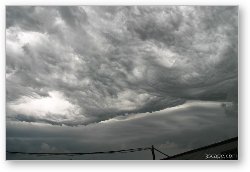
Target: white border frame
244, 83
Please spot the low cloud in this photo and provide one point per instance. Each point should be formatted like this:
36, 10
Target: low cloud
173, 130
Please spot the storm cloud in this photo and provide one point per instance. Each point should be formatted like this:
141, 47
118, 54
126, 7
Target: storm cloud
86, 64
173, 130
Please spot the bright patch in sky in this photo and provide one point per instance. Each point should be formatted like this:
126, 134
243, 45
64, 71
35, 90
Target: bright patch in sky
55, 103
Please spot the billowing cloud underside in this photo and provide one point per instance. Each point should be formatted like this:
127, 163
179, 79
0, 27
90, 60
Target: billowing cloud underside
79, 65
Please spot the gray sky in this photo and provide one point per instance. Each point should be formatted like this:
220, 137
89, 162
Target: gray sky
101, 78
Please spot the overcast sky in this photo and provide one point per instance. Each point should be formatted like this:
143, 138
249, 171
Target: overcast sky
90, 78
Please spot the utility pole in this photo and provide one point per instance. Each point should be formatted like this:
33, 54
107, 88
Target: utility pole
153, 152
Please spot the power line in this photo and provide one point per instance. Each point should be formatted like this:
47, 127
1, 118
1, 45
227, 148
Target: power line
90, 153
83, 153
161, 152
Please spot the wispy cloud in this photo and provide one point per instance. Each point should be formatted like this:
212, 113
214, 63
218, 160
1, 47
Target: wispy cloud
111, 61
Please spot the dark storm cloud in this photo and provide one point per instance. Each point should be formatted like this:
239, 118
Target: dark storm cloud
74, 16
172, 130
102, 62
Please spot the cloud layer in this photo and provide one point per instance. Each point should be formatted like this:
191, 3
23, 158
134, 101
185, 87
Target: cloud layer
173, 130
81, 65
